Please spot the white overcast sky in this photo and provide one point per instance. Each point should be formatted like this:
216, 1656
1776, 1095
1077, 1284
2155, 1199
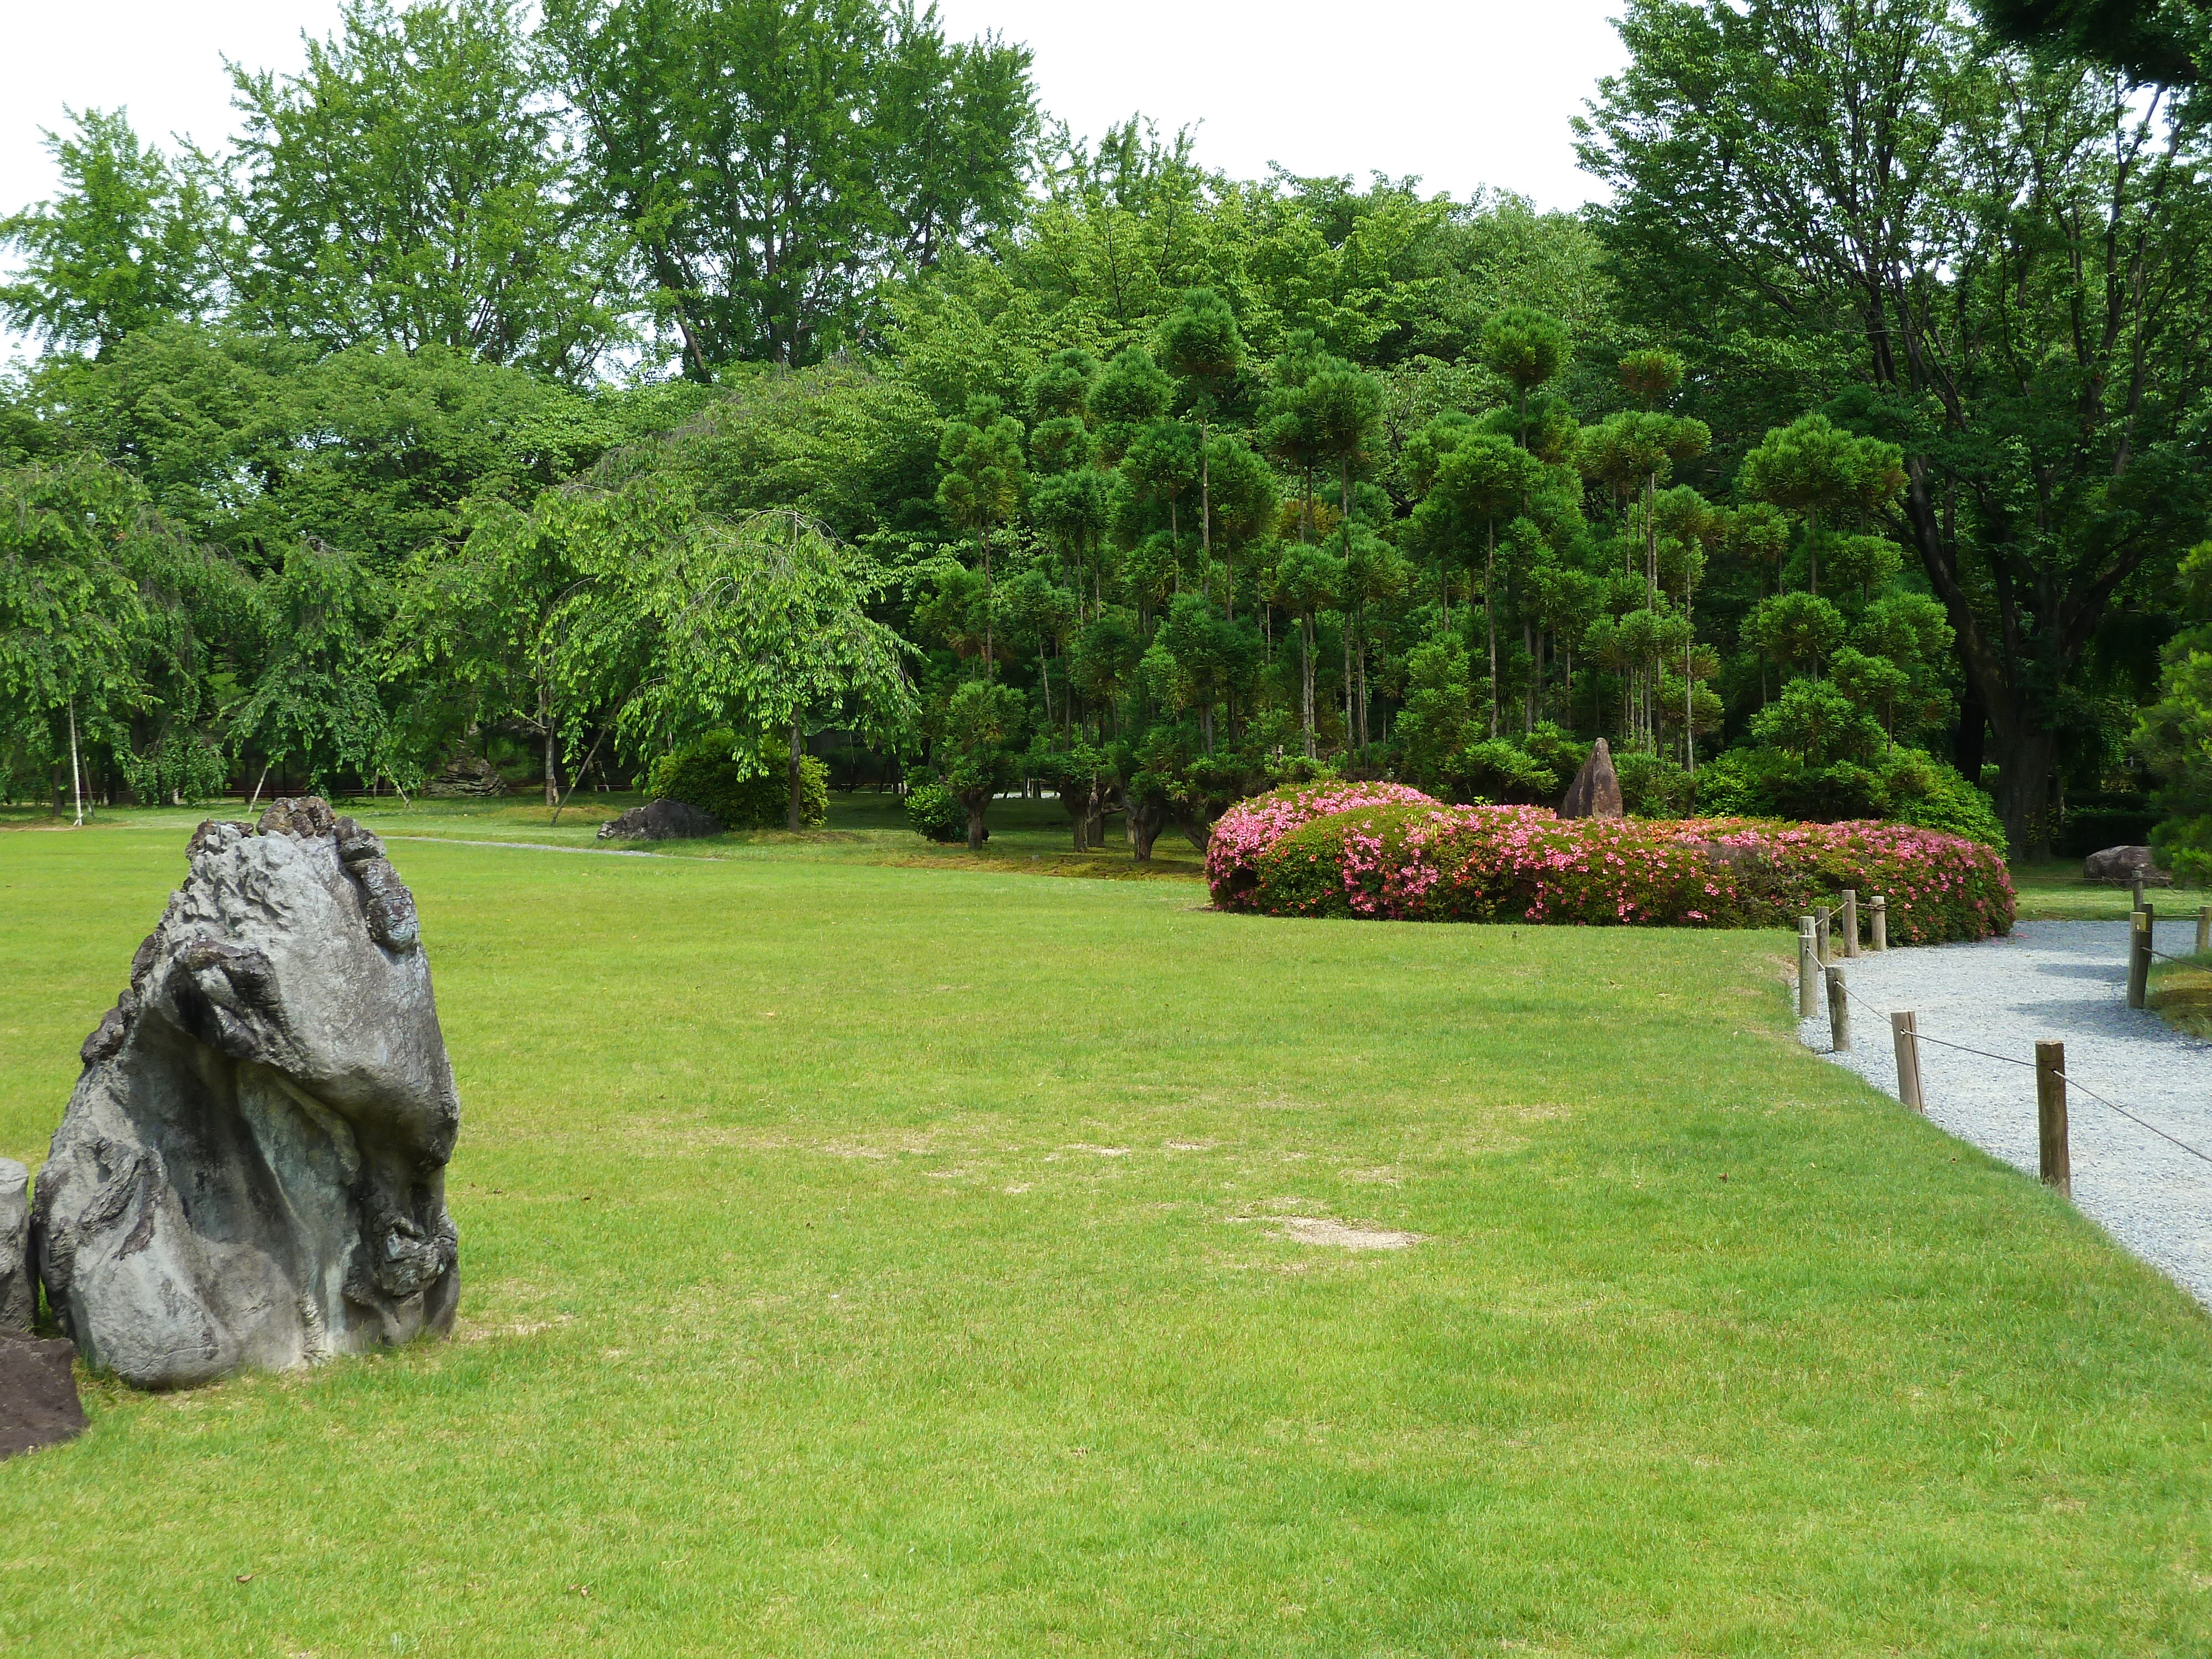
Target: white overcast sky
1467, 95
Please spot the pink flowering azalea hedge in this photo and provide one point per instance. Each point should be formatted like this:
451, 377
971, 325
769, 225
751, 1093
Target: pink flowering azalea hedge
1384, 850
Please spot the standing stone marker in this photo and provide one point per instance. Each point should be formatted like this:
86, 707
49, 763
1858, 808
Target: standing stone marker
251, 1169
18, 1286
1595, 792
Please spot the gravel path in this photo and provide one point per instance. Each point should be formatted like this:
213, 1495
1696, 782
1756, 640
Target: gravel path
2065, 981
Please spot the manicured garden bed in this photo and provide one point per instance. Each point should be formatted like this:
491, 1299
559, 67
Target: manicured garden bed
1383, 850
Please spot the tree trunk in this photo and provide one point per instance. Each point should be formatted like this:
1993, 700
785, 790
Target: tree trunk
797, 752
988, 668
1971, 742
1490, 615
1306, 675
977, 801
2026, 758
77, 771
552, 765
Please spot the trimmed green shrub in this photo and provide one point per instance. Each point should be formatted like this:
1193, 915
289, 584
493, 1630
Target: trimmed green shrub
1420, 860
1653, 786
706, 774
934, 811
1906, 785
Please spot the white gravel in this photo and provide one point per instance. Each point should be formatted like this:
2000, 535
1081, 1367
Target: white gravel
2065, 981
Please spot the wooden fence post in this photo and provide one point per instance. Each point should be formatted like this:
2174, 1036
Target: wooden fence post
2203, 928
1880, 921
2138, 958
1808, 969
2057, 1163
1840, 1012
1903, 1030
1821, 935
1852, 922
2136, 902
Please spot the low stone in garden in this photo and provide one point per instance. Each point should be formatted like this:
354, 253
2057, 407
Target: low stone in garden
2123, 866
661, 820
251, 1171
466, 775
19, 1293
1595, 792
39, 1404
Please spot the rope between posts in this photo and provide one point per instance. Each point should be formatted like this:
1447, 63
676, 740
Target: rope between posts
2015, 1059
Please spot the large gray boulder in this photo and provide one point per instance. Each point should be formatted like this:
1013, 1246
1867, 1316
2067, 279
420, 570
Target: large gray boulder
1595, 792
19, 1292
251, 1169
2124, 865
661, 820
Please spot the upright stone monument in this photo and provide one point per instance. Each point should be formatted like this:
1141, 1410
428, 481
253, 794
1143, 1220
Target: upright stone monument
1595, 792
251, 1169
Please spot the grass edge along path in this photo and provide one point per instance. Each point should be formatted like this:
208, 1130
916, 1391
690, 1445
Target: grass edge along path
857, 1261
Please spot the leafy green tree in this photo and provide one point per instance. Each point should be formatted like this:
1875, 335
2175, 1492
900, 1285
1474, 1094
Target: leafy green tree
406, 189
1127, 398
70, 611
1292, 424
1437, 721
980, 489
1934, 293
1201, 346
1308, 581
1484, 481
131, 239
1524, 347
319, 701
1816, 721
2152, 41
1812, 467
978, 755
1799, 630
771, 160
1875, 686
764, 628
1161, 466
1246, 499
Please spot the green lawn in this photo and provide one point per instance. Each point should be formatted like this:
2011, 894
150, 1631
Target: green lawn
2053, 890
861, 1257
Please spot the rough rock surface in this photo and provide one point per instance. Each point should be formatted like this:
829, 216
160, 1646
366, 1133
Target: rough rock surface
1595, 792
251, 1169
39, 1404
2125, 864
466, 774
19, 1294
661, 820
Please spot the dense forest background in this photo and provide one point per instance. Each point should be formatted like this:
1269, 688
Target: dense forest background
635, 377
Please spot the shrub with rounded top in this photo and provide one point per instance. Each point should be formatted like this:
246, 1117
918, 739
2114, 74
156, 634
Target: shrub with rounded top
705, 775
1417, 859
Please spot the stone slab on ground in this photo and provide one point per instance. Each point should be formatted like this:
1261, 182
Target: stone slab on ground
39, 1404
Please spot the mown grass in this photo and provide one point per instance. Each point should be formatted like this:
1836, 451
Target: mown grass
863, 1259
2180, 994
2053, 890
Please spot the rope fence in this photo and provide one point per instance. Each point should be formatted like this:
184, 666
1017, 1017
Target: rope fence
1817, 961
